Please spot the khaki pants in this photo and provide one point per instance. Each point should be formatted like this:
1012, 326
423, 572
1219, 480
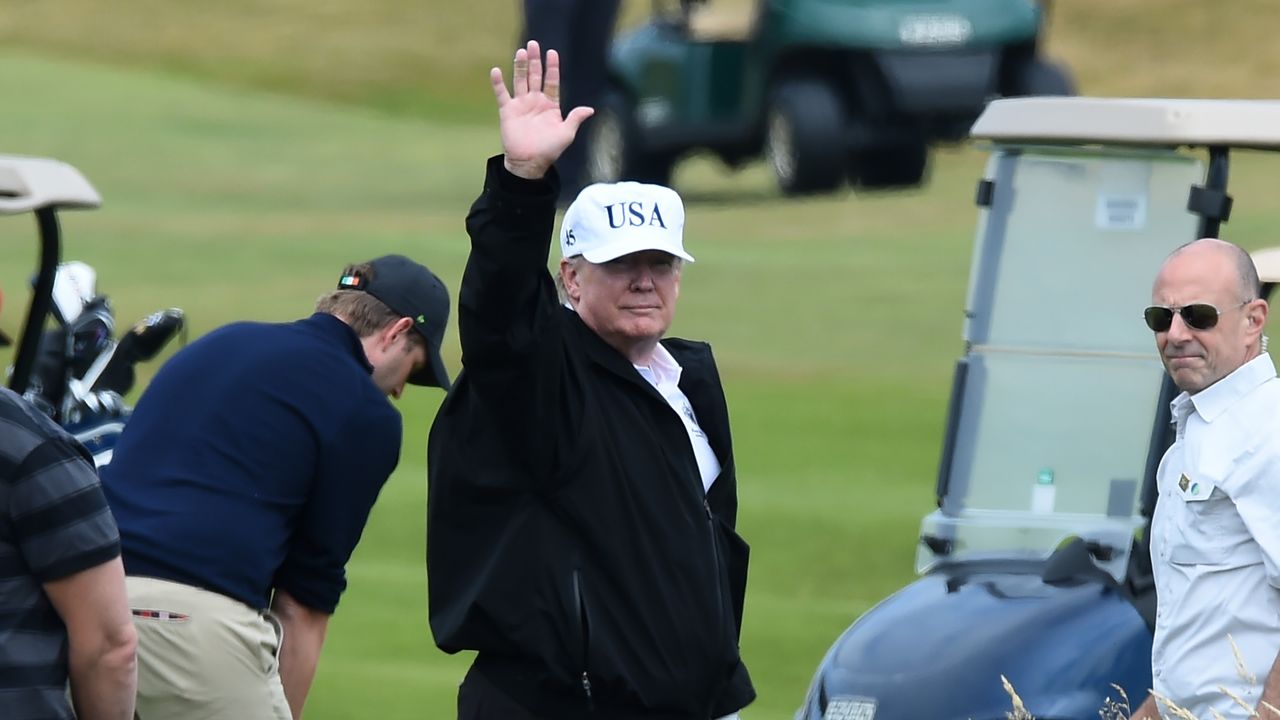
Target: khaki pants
204, 656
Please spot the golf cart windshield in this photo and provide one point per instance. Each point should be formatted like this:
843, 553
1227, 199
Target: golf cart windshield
1053, 403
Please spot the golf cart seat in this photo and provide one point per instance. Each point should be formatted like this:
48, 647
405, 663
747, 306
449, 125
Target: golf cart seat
28, 184
722, 20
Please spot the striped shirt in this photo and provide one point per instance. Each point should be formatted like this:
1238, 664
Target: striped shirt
54, 522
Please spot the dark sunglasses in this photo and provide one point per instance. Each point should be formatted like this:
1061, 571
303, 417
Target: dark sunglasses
1197, 316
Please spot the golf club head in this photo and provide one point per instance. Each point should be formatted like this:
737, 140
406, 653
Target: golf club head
66, 353
149, 335
143, 342
74, 286
89, 335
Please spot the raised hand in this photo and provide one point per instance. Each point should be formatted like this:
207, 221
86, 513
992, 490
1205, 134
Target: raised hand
534, 133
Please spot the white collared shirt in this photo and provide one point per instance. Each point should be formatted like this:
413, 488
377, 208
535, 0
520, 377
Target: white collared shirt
663, 373
1215, 543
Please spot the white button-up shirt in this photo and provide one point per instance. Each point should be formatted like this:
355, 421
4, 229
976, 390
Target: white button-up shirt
663, 372
1215, 543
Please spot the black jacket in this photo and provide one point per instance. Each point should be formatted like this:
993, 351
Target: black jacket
568, 538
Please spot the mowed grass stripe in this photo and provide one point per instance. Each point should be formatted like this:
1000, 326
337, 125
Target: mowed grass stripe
428, 58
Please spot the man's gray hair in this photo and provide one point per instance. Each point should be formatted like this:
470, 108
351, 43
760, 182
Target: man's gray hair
561, 291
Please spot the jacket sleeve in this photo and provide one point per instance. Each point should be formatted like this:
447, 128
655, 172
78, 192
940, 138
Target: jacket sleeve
509, 318
351, 469
507, 298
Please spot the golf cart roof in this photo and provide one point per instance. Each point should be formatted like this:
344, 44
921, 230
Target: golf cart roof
28, 184
1132, 121
42, 186
1267, 261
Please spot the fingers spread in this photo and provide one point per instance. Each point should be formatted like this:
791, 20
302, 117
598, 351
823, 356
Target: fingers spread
535, 67
520, 76
499, 87
577, 116
551, 85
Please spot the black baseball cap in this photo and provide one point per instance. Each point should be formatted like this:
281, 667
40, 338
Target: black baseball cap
413, 291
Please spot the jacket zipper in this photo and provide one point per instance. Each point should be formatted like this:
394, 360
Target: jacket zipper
715, 555
585, 628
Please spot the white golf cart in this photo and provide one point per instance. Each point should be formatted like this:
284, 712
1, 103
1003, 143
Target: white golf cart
1035, 565
76, 372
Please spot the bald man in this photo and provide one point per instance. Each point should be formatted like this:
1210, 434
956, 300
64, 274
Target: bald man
1215, 536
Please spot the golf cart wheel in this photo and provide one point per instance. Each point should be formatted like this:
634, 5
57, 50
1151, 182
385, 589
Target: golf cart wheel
892, 167
1043, 77
613, 147
804, 137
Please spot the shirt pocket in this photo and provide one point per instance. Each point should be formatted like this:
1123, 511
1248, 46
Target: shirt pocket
1204, 531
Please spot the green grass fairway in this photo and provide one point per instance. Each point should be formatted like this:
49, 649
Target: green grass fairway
836, 322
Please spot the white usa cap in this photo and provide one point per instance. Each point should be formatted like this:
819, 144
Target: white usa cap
609, 220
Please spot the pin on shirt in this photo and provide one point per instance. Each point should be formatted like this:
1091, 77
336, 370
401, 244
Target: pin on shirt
693, 421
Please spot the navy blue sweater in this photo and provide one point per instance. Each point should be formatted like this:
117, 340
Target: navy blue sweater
252, 461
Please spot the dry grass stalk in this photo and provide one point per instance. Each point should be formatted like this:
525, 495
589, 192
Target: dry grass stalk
1241, 670
1112, 710
1177, 710
1237, 699
1019, 710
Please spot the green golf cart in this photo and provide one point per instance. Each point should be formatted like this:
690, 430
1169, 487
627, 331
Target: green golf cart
828, 90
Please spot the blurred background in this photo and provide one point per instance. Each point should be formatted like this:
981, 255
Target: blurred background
247, 149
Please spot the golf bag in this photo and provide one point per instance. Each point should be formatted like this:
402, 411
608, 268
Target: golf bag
82, 372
